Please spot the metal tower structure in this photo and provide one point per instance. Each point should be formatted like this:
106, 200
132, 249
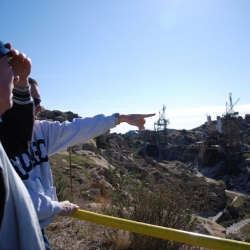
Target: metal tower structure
161, 125
155, 140
229, 109
230, 125
222, 138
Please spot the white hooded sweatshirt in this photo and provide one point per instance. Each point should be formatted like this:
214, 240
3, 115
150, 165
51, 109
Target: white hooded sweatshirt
50, 138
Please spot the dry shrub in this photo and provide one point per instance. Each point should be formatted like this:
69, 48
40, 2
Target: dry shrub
70, 233
145, 201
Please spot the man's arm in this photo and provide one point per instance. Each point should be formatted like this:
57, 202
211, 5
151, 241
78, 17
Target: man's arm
19, 120
18, 123
2, 195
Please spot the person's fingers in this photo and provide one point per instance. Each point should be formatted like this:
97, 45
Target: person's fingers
74, 205
8, 46
16, 77
18, 55
22, 56
28, 60
140, 123
142, 120
148, 115
14, 52
73, 208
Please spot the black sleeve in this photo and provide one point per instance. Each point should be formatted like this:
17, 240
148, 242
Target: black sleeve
17, 128
2, 195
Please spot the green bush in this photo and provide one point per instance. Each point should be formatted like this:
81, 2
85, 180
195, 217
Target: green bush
62, 188
245, 156
222, 184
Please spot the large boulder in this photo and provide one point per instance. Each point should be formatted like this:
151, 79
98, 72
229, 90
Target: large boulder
89, 145
247, 118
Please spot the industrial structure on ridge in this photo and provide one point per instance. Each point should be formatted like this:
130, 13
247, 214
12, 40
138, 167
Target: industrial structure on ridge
156, 140
220, 138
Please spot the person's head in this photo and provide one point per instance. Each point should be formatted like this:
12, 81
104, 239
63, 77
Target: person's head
35, 93
6, 79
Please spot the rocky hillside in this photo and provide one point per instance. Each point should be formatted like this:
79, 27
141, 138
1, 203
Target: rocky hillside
224, 191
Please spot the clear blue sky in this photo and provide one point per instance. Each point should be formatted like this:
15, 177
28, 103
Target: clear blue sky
134, 56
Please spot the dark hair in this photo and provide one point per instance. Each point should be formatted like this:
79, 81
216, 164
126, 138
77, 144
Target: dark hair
33, 81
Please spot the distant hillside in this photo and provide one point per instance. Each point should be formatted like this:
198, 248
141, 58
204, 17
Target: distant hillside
99, 165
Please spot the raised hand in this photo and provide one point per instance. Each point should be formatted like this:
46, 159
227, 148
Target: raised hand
21, 66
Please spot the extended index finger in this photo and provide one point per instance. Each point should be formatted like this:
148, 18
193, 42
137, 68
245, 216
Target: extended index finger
148, 115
